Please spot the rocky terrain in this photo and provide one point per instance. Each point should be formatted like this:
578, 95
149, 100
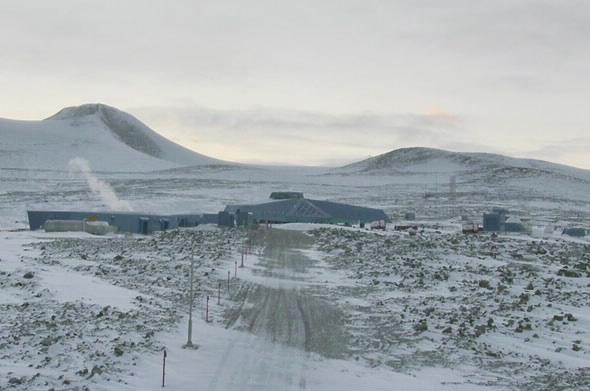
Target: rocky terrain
68, 344
504, 312
515, 308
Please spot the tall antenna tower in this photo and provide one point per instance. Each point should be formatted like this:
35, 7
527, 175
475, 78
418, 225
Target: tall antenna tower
452, 195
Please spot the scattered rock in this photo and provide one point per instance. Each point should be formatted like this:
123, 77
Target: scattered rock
421, 326
484, 284
576, 347
570, 317
15, 381
565, 272
96, 370
480, 330
118, 350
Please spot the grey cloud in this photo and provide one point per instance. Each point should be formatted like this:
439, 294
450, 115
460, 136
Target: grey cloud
365, 130
514, 70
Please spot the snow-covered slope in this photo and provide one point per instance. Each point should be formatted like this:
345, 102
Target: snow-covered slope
437, 161
111, 140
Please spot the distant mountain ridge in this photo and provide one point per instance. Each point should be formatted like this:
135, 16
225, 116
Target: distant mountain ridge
110, 139
113, 140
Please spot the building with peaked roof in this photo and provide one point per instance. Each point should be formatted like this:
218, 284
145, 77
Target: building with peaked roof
303, 210
292, 210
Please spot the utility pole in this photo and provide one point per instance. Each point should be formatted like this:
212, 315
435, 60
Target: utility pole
164, 369
189, 342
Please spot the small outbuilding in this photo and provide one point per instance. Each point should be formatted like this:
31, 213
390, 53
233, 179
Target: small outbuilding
495, 220
285, 195
470, 227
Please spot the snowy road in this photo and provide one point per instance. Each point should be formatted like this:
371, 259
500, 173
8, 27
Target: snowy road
247, 364
278, 332
283, 308
283, 311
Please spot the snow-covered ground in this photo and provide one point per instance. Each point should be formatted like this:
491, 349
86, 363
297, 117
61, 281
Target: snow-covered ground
88, 313
314, 308
330, 310
75, 307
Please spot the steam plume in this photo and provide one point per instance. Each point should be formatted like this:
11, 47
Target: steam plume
98, 187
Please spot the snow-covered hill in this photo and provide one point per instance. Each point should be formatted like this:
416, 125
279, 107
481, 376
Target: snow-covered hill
437, 161
111, 140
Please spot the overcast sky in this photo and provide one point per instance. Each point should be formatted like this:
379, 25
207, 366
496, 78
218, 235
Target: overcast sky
313, 82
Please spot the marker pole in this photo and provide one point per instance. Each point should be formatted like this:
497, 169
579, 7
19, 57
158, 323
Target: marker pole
164, 369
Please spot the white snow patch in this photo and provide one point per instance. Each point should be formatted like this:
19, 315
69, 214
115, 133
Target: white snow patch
71, 286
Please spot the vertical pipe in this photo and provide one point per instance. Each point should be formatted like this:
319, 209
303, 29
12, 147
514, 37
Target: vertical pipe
164, 369
219, 293
207, 310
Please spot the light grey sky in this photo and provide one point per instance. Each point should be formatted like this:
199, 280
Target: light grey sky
313, 82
